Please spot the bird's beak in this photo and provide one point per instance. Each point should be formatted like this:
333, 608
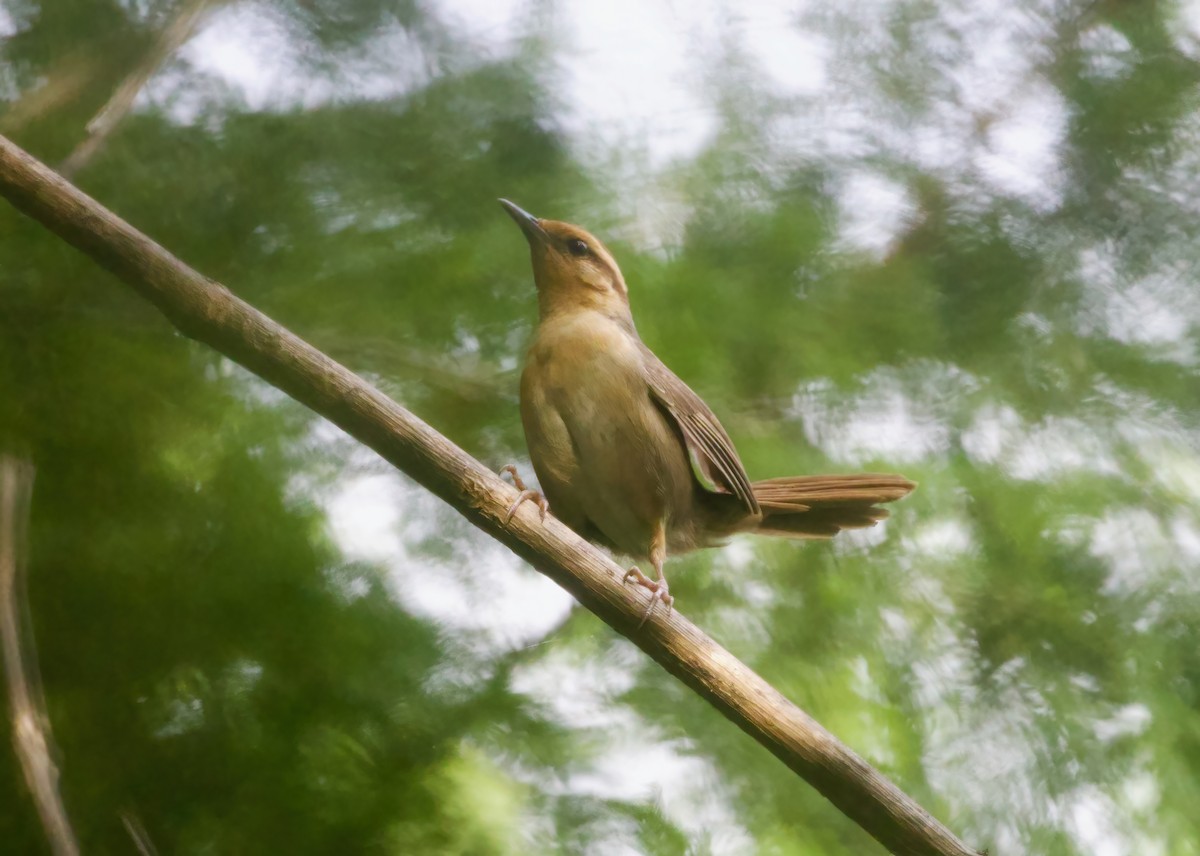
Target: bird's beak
534, 233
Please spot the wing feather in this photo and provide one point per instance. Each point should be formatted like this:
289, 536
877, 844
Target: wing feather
708, 444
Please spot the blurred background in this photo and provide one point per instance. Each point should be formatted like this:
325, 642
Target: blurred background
956, 240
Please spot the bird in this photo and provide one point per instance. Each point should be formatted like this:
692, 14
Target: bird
625, 453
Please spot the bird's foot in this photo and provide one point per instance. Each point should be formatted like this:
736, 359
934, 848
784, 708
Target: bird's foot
658, 591
525, 494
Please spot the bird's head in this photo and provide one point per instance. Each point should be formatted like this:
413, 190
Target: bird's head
573, 271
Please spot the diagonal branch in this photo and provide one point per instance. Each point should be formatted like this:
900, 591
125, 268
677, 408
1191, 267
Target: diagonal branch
172, 37
61, 84
208, 312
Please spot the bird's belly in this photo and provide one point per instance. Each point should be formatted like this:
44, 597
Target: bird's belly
617, 463
635, 477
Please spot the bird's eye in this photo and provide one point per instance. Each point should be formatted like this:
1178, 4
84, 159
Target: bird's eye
577, 247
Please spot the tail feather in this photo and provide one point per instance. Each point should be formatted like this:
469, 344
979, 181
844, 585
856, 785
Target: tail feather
822, 506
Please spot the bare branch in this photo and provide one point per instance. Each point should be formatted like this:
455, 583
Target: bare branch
137, 831
173, 36
208, 312
32, 739
62, 84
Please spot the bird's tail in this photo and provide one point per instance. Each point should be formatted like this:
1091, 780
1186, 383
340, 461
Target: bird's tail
822, 506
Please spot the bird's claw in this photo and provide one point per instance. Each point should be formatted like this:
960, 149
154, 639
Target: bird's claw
525, 494
658, 591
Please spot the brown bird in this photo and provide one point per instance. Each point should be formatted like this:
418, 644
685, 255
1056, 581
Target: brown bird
628, 456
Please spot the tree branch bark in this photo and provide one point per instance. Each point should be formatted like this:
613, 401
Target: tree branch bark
206, 311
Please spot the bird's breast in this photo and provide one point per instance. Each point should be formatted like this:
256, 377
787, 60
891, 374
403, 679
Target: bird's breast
596, 437
585, 351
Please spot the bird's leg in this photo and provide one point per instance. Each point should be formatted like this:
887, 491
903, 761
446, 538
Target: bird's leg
658, 588
526, 493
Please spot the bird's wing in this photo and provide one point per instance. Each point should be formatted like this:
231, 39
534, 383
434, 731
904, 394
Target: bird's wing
715, 461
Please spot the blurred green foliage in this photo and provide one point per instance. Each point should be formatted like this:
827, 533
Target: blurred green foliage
1018, 648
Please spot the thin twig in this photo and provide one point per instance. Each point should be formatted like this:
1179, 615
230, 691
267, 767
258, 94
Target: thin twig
137, 831
208, 312
70, 75
173, 36
32, 738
